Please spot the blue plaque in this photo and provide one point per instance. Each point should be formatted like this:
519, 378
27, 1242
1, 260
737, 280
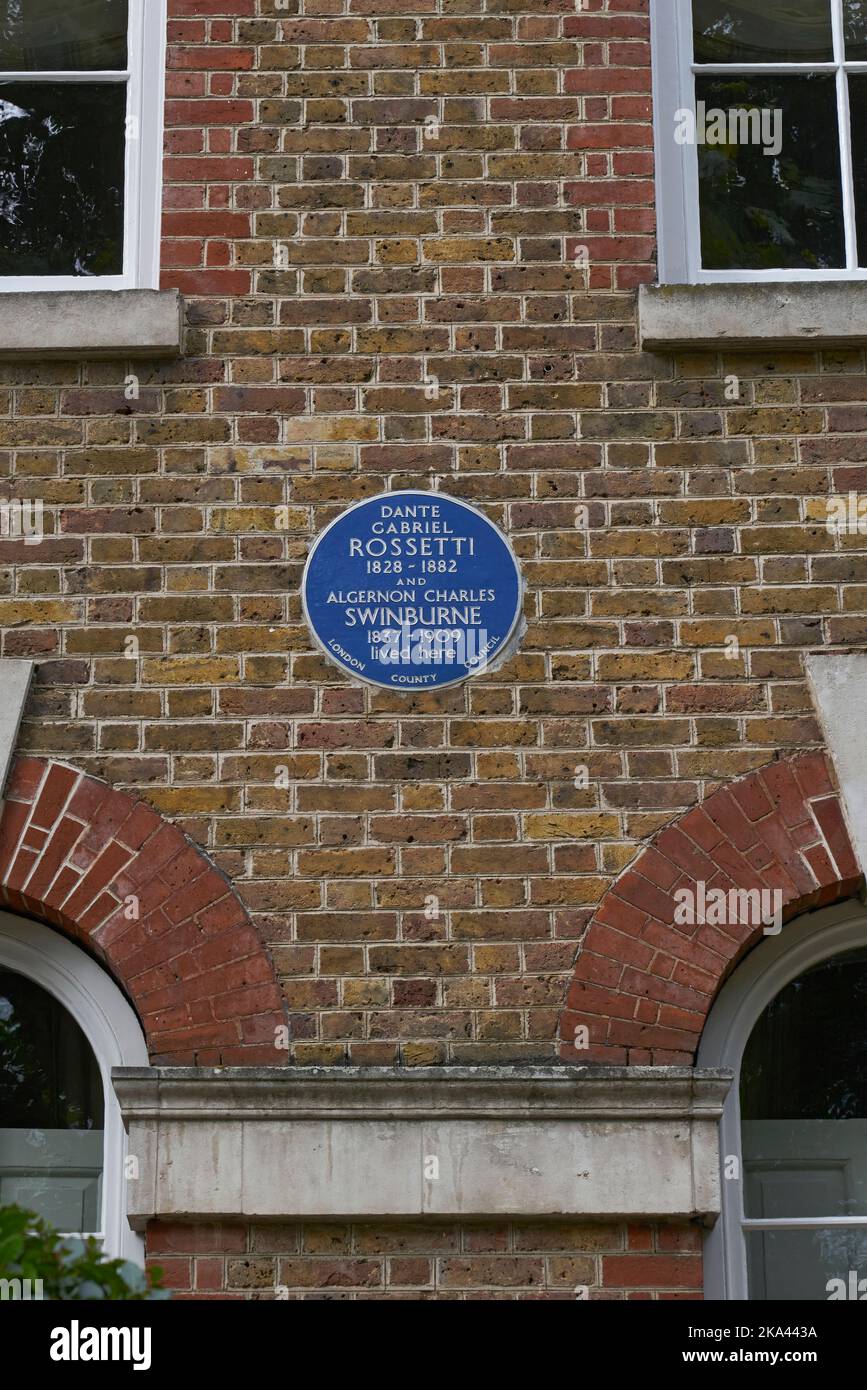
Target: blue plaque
412, 591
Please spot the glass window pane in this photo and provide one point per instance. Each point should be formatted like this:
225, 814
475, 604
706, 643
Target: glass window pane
803, 1096
58, 35
62, 160
769, 175
855, 29
762, 31
858, 126
812, 1266
51, 1109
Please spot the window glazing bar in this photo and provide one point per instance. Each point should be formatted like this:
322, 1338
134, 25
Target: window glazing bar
66, 76
735, 69
801, 1223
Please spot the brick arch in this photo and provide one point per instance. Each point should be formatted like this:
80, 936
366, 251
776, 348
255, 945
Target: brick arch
643, 986
74, 850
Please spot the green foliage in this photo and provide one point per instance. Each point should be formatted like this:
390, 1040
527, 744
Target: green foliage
69, 1267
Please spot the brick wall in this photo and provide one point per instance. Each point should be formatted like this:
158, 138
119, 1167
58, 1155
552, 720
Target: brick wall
644, 979
373, 209
501, 1260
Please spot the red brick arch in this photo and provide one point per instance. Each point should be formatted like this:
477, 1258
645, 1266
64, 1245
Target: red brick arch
74, 852
643, 986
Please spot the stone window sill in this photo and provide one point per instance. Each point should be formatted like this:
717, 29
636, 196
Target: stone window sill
830, 313
90, 323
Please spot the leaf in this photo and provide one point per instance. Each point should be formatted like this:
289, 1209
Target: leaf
70, 1268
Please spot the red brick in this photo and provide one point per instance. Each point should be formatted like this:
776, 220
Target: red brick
53, 795
651, 1271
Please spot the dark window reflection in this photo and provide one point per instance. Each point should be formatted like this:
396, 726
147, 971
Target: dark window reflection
62, 162
48, 1073
773, 211
58, 35
803, 1093
855, 29
858, 108
807, 1055
51, 1109
762, 31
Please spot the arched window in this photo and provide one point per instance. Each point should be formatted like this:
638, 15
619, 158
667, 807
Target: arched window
792, 1025
63, 1025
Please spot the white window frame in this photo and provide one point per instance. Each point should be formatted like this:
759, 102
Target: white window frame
677, 186
113, 1031
144, 76
767, 970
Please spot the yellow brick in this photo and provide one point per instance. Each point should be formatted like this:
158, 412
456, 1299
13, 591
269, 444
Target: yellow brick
572, 826
331, 427
13, 613
461, 250
191, 670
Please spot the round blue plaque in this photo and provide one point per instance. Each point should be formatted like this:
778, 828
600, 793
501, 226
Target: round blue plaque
412, 591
